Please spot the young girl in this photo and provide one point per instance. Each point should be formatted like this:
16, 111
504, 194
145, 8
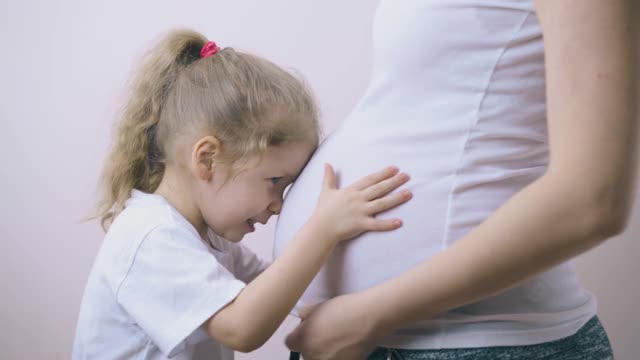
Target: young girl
209, 140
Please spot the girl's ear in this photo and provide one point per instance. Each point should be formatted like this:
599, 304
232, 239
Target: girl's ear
203, 158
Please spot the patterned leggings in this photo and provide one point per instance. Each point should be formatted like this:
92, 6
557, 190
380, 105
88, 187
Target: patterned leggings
589, 343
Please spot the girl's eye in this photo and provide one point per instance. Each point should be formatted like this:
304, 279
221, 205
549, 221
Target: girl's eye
275, 180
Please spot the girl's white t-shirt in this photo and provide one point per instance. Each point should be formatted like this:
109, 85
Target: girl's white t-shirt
154, 283
457, 100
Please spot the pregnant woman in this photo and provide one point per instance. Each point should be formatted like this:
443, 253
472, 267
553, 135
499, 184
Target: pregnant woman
516, 120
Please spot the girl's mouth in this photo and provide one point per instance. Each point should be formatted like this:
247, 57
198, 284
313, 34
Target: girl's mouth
252, 228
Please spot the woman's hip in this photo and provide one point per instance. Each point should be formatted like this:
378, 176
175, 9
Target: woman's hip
589, 343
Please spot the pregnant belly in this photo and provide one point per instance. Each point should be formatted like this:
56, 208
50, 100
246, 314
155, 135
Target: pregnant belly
452, 193
375, 256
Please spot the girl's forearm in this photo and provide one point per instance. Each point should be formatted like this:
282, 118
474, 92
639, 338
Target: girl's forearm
543, 225
264, 303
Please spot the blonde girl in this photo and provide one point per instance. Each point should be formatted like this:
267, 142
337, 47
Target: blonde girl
208, 142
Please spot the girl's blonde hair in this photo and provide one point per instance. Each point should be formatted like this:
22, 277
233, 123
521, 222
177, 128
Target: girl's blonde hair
247, 102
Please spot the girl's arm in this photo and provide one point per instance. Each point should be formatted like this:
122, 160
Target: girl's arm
583, 198
254, 315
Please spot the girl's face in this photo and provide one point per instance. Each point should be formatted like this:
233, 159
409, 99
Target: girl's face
231, 209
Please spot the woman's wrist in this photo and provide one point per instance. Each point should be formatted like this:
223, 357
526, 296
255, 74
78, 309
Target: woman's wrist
392, 305
372, 314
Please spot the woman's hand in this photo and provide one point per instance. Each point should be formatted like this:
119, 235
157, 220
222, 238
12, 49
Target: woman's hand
348, 212
338, 329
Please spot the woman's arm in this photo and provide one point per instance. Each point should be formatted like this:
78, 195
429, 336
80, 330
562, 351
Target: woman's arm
586, 195
583, 198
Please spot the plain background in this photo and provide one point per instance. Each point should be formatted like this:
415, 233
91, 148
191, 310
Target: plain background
63, 71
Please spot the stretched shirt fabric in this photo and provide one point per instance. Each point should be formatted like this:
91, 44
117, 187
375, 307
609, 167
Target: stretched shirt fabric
457, 100
155, 281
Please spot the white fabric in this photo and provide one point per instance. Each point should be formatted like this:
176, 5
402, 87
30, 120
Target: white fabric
153, 284
457, 100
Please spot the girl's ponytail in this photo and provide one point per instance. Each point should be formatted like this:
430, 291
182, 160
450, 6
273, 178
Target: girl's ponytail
136, 160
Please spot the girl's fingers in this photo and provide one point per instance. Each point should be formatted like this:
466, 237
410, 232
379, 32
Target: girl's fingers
388, 202
384, 187
329, 180
374, 178
384, 224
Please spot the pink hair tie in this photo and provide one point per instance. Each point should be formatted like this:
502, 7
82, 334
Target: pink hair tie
210, 48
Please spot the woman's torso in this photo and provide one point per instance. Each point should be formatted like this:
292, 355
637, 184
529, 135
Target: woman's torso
457, 100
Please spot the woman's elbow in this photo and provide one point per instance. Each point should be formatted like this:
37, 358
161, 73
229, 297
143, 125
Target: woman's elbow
609, 213
611, 223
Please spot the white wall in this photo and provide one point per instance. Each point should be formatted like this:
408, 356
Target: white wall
62, 71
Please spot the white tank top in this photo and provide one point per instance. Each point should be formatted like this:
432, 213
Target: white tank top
457, 100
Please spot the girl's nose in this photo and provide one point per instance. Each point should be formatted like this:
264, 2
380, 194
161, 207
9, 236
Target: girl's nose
275, 206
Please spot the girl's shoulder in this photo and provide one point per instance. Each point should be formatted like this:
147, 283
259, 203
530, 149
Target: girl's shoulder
148, 223
145, 213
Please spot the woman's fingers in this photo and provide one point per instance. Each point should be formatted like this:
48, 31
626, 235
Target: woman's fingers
305, 311
374, 178
386, 186
294, 340
388, 202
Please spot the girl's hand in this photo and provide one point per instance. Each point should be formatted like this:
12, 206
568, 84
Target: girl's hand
338, 329
348, 212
